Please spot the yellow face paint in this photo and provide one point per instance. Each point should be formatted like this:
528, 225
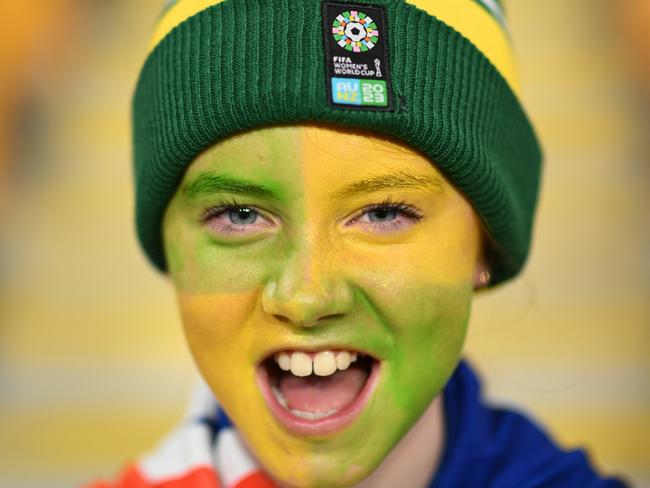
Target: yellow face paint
342, 240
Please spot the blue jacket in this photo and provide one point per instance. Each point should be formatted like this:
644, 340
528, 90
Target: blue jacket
488, 447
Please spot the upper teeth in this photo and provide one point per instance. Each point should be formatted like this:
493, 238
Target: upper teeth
323, 363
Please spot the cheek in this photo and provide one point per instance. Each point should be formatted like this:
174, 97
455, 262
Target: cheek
209, 270
422, 298
224, 341
219, 341
430, 326
214, 319
199, 266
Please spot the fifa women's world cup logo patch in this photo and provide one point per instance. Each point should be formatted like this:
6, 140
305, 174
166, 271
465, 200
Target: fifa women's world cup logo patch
355, 31
356, 54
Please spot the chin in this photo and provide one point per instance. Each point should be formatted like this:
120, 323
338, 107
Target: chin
320, 473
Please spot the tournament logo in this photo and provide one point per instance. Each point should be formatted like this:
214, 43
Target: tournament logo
355, 31
358, 72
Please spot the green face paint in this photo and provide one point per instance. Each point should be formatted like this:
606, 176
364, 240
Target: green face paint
313, 239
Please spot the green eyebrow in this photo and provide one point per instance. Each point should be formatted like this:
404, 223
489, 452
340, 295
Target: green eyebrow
390, 181
208, 183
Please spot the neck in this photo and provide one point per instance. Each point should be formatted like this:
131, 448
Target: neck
416, 456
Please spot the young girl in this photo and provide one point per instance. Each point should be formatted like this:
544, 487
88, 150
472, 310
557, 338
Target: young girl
327, 184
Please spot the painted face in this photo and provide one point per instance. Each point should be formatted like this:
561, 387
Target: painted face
324, 280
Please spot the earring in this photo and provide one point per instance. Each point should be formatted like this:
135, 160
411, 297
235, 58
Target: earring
484, 278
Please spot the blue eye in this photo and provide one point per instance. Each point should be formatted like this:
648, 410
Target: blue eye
237, 219
382, 214
242, 216
388, 216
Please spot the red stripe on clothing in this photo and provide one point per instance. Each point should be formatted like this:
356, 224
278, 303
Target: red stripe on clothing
198, 478
255, 480
130, 478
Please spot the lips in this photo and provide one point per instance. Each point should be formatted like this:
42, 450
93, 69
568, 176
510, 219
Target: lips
317, 393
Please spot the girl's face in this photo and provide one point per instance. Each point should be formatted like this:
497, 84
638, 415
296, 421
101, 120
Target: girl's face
295, 250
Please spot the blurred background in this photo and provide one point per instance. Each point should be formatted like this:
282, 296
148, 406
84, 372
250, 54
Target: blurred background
93, 365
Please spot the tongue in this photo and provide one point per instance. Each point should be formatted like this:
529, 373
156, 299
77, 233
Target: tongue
319, 394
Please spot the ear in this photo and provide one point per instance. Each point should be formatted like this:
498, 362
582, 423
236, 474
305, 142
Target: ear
481, 272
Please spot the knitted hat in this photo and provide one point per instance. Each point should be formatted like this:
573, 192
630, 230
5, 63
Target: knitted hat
436, 74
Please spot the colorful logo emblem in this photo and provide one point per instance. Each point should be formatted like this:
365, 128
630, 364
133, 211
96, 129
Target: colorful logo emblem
355, 31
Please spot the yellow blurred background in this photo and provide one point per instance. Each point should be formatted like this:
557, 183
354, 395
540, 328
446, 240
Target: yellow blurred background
93, 365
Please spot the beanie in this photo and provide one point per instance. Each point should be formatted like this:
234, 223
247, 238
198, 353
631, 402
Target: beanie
436, 74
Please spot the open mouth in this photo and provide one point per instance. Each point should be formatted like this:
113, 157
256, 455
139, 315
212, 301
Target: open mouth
317, 392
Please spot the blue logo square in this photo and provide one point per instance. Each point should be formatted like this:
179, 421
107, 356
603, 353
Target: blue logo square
346, 91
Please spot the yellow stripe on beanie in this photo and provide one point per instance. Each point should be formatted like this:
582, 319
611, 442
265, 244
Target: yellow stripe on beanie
466, 16
481, 28
177, 14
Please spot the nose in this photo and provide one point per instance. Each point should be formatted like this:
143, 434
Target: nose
308, 289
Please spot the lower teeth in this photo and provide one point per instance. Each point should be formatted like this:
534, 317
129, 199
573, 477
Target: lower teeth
299, 413
313, 415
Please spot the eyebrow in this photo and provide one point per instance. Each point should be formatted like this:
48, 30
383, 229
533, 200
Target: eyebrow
208, 183
390, 181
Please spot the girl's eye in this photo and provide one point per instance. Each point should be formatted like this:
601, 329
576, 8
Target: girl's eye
388, 216
242, 216
235, 218
382, 214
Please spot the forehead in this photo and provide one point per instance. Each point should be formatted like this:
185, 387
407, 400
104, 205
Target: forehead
321, 158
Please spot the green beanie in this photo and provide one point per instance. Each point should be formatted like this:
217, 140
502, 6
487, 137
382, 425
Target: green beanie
436, 74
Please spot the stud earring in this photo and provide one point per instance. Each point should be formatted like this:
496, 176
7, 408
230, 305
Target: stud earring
484, 278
